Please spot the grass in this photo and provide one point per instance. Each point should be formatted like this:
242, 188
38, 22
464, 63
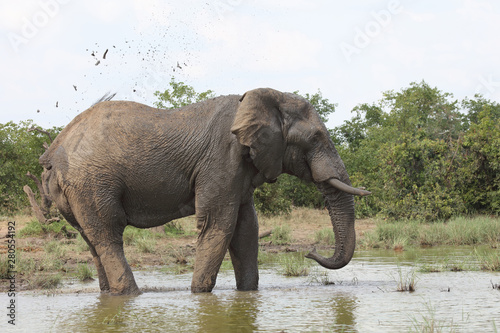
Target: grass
174, 228
145, 244
131, 234
84, 272
264, 257
34, 228
488, 261
45, 281
428, 322
81, 245
321, 277
406, 281
55, 247
281, 235
294, 265
325, 236
456, 232
4, 267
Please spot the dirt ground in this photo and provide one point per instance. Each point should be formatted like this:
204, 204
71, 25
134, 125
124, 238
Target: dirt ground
164, 250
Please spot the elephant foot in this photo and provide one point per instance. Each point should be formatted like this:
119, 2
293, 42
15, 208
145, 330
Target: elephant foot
135, 292
196, 290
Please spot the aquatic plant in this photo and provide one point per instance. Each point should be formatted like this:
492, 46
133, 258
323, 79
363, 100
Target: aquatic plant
293, 265
406, 281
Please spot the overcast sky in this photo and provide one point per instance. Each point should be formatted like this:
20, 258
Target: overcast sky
52, 64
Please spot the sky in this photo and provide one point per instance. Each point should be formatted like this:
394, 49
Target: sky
54, 64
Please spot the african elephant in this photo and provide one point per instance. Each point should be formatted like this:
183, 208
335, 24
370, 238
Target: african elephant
122, 163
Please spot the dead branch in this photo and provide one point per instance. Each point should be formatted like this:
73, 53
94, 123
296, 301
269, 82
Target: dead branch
265, 233
37, 129
34, 205
46, 200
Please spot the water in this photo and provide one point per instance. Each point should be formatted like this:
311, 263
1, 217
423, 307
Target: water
363, 298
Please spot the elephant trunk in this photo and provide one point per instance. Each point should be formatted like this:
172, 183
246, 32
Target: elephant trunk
340, 206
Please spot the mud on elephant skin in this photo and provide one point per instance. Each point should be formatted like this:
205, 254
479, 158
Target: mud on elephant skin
122, 163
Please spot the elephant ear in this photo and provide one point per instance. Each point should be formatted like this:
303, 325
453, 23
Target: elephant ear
258, 124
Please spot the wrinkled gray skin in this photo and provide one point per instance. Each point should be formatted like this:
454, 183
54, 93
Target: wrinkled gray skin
123, 163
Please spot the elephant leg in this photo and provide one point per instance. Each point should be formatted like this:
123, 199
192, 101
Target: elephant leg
244, 248
101, 273
216, 226
119, 275
103, 232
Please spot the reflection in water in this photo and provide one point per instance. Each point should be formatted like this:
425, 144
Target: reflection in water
108, 313
236, 312
344, 307
281, 304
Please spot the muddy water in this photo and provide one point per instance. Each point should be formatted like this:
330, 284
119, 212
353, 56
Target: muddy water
362, 298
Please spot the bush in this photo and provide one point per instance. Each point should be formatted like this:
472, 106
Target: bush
19, 153
422, 156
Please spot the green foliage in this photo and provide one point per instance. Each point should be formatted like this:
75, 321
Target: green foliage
321, 105
19, 153
270, 199
422, 156
180, 94
35, 228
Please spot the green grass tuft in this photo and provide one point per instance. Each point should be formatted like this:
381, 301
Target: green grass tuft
45, 281
294, 265
145, 244
84, 272
281, 235
325, 236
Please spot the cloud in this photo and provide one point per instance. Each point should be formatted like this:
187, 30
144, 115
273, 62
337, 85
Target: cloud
13, 12
256, 45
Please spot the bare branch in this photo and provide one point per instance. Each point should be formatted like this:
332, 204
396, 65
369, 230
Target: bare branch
37, 129
265, 233
46, 200
34, 205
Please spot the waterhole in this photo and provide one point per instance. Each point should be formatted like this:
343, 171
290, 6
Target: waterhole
362, 297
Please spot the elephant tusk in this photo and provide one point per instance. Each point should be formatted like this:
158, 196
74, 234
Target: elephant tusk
339, 185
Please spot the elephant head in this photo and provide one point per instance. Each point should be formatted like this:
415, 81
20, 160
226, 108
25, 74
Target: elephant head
285, 134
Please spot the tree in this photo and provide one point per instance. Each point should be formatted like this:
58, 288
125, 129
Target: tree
20, 148
180, 94
422, 156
